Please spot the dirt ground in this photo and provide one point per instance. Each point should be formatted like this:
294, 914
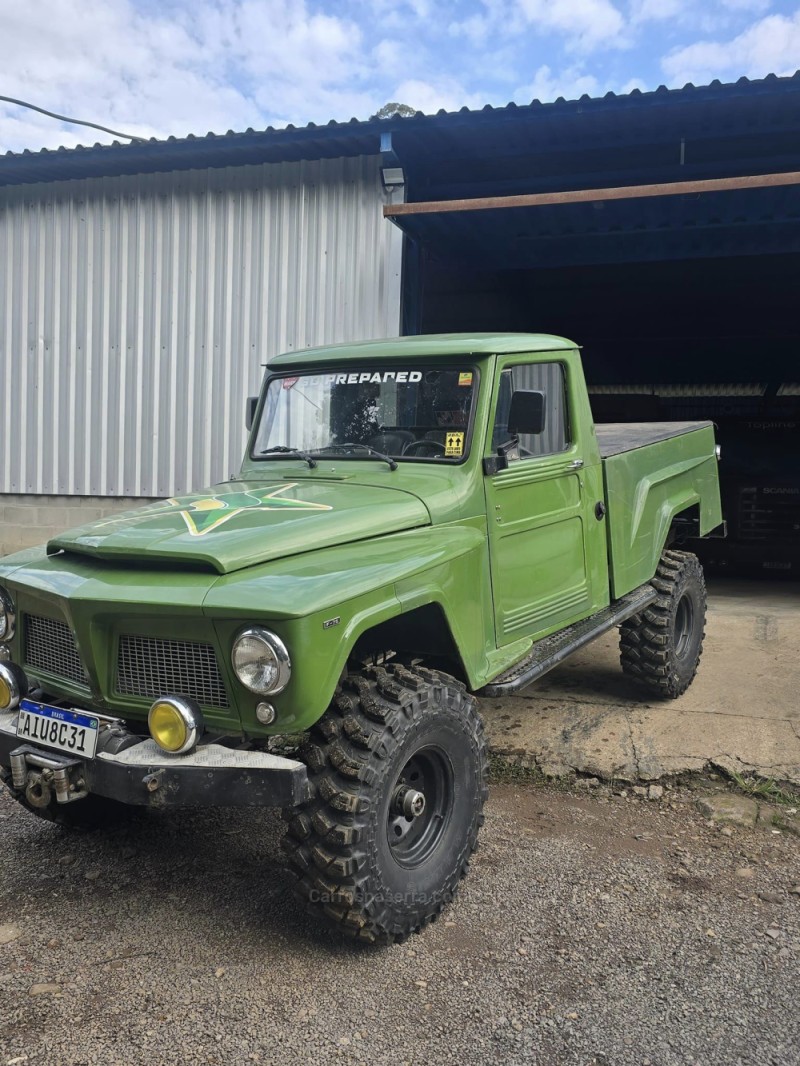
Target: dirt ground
740, 714
594, 928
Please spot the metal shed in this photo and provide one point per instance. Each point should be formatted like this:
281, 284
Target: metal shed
143, 288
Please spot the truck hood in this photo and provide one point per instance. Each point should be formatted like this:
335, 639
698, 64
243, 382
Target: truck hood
239, 524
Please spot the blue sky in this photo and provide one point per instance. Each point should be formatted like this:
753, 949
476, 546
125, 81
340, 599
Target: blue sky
190, 66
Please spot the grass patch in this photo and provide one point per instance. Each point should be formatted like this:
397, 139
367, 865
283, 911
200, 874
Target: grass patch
764, 788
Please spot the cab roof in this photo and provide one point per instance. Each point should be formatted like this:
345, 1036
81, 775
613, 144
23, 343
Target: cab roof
432, 345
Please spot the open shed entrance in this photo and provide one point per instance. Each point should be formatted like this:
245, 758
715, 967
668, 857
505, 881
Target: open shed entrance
689, 339
685, 307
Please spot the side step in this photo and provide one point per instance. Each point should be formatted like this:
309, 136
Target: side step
547, 653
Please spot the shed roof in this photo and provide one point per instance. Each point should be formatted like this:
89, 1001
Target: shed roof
768, 102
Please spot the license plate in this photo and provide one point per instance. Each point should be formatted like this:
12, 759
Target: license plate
55, 727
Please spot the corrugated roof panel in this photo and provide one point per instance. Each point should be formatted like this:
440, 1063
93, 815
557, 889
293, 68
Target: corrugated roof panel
362, 137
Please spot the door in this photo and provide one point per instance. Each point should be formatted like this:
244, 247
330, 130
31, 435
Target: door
537, 511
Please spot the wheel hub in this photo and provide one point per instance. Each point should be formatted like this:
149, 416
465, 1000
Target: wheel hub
408, 802
420, 806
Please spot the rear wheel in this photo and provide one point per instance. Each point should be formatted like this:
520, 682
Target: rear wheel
398, 766
661, 647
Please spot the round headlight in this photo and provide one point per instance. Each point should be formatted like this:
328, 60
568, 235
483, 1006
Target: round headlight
8, 615
261, 661
13, 686
175, 724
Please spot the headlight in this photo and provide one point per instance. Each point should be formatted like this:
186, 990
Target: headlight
13, 686
8, 616
261, 661
175, 724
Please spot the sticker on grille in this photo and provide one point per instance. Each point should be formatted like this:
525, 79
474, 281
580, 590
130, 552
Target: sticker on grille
152, 667
50, 646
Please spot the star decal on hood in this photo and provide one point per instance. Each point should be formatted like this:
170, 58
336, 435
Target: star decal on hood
210, 512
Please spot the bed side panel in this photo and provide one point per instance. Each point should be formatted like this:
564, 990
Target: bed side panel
645, 488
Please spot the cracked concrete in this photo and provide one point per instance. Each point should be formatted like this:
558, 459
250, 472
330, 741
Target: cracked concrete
741, 713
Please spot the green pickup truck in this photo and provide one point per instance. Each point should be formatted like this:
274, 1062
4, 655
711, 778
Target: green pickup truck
414, 521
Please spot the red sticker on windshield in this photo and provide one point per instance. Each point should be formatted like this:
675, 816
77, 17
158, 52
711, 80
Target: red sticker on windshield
288, 382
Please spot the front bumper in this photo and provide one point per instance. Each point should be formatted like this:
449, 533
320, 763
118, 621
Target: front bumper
143, 775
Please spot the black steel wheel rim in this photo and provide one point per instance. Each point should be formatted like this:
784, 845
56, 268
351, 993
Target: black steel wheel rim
412, 840
684, 625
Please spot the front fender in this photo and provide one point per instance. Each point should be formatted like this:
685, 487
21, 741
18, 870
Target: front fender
322, 602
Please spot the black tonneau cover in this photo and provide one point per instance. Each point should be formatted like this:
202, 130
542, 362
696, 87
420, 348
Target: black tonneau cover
616, 437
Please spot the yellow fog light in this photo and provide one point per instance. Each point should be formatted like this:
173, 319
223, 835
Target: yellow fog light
175, 724
13, 686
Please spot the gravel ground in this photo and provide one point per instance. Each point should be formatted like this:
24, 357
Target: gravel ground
592, 929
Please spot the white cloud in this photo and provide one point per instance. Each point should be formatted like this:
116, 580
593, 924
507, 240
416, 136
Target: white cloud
756, 6
659, 10
221, 64
770, 46
441, 94
570, 83
390, 58
476, 29
585, 23
630, 85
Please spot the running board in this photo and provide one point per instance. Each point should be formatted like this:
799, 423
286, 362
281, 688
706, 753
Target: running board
552, 650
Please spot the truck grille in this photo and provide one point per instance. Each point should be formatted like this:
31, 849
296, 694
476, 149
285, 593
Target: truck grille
50, 646
152, 667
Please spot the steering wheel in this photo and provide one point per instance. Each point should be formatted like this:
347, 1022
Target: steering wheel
434, 447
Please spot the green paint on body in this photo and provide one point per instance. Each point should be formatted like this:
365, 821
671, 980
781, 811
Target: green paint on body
501, 559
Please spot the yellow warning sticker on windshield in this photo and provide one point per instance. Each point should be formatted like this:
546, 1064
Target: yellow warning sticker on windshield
465, 379
454, 444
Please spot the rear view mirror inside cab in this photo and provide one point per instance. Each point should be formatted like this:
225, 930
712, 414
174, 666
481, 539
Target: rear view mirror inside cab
527, 412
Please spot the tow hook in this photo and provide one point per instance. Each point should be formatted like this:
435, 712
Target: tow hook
37, 788
38, 776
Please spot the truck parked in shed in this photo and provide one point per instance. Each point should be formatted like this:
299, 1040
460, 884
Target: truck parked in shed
414, 521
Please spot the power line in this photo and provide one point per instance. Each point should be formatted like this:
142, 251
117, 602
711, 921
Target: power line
73, 121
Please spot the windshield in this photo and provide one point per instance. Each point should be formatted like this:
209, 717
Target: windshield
413, 413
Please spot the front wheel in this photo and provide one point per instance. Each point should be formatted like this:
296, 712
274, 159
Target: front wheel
661, 647
398, 766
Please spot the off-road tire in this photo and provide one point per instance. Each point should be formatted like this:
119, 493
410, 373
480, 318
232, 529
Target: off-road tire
661, 647
384, 720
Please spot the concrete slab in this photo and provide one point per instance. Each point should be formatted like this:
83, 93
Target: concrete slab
741, 713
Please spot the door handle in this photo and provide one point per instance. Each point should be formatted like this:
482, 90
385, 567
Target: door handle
576, 464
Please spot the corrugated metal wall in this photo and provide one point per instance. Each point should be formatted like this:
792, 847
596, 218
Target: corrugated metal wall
135, 313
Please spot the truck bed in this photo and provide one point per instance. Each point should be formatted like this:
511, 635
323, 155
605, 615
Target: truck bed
651, 472
616, 437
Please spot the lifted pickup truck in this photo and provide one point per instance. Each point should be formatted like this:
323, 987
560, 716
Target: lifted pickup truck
414, 521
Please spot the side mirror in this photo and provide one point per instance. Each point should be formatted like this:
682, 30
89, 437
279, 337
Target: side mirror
527, 412
526, 415
250, 411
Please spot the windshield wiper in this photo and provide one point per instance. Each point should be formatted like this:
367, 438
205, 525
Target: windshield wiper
283, 450
372, 453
